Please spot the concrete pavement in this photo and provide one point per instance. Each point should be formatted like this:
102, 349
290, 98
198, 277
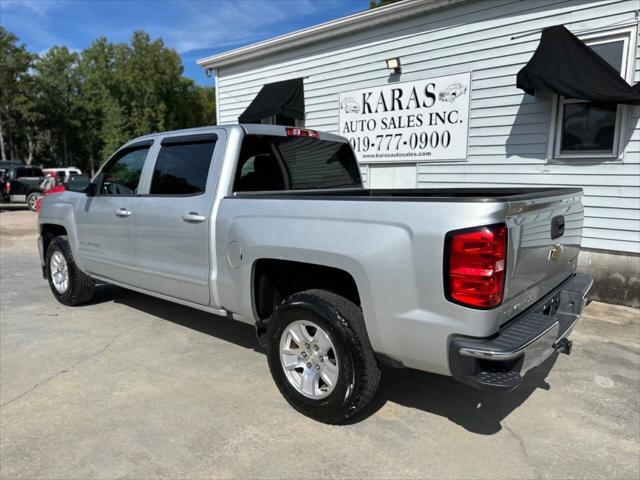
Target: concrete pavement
130, 386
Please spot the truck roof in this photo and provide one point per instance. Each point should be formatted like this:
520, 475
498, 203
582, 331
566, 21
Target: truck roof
249, 128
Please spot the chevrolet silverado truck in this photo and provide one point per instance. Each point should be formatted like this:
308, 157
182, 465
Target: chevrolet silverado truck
271, 226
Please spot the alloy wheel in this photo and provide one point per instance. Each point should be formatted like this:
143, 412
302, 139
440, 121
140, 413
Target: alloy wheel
309, 359
59, 272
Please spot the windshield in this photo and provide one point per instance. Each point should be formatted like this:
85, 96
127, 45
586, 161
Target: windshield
270, 163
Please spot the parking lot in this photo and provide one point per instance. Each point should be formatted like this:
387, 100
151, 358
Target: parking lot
130, 386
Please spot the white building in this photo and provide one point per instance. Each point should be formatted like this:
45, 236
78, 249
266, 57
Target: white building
472, 49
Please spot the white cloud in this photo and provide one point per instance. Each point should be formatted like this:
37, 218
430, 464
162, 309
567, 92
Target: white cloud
185, 25
29, 20
224, 24
40, 8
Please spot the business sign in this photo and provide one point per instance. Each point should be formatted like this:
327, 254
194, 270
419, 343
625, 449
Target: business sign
420, 121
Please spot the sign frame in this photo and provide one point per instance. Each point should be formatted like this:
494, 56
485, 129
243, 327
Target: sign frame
383, 131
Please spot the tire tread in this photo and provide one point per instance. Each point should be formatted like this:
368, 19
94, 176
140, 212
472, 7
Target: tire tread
352, 325
352, 318
81, 285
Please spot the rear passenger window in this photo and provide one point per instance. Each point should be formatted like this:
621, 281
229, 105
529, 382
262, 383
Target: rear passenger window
182, 168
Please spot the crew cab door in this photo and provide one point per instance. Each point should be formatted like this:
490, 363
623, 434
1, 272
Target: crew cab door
173, 225
105, 221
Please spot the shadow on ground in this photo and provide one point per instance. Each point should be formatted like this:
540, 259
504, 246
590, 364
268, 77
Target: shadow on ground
474, 410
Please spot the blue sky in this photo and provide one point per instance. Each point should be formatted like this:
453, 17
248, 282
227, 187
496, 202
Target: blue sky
195, 28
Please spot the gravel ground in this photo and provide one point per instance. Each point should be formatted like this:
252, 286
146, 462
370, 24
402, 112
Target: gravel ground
130, 386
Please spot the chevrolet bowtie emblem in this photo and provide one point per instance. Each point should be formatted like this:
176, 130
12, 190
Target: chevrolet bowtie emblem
555, 252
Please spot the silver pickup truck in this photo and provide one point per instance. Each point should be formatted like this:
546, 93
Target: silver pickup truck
271, 226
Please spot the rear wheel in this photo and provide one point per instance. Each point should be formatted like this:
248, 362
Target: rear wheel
320, 356
68, 283
32, 199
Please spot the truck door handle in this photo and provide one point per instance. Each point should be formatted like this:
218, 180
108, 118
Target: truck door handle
123, 212
193, 217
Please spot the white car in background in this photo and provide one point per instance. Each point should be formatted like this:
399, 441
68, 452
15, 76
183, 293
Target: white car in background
63, 172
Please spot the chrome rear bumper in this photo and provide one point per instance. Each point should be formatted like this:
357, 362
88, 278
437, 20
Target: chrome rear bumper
500, 362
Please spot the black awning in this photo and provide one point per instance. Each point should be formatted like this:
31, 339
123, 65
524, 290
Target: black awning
279, 98
564, 65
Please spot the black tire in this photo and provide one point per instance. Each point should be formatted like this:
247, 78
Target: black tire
32, 199
81, 286
359, 375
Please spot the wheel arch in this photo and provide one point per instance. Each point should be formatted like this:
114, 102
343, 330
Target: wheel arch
57, 213
273, 280
48, 231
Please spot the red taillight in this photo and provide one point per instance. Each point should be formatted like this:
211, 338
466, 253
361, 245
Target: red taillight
8, 187
476, 266
302, 132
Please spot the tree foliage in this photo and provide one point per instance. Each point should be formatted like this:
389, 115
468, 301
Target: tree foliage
380, 3
15, 91
67, 108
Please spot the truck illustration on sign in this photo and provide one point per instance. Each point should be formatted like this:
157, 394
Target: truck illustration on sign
349, 105
452, 92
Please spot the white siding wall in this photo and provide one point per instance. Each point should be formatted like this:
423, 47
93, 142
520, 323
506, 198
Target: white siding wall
509, 131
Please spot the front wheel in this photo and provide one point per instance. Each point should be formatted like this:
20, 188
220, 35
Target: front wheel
32, 200
320, 356
68, 283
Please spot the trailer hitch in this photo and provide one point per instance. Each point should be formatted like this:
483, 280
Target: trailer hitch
564, 345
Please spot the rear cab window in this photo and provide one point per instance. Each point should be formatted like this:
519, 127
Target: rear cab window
272, 163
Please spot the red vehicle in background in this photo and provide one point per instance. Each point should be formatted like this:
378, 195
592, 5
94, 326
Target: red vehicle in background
51, 184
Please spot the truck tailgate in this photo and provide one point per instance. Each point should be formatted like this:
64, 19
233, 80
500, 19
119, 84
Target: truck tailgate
544, 242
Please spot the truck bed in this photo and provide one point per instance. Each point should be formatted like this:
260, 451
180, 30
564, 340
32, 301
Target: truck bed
418, 194
397, 253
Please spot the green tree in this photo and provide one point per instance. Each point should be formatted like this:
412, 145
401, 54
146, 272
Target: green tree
28, 118
114, 129
207, 105
103, 120
58, 83
77, 108
196, 106
150, 77
381, 3
15, 92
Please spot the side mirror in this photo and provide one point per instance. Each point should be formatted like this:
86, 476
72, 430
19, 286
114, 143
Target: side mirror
95, 187
91, 190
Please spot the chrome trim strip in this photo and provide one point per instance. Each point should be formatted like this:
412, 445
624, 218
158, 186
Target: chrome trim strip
493, 355
585, 297
205, 308
567, 332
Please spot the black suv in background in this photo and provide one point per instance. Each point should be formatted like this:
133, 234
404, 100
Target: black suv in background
21, 184
5, 165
